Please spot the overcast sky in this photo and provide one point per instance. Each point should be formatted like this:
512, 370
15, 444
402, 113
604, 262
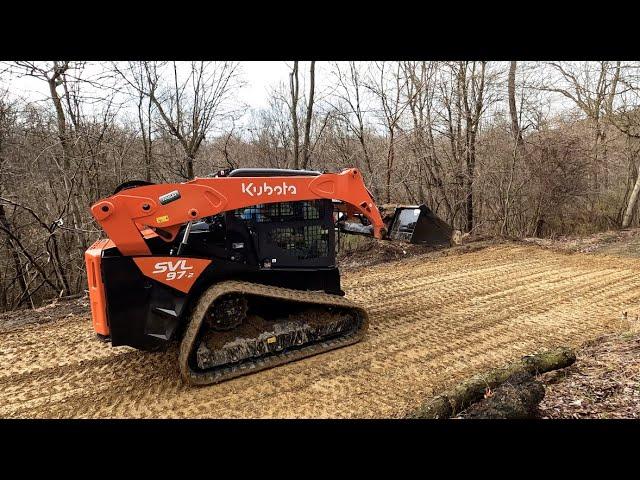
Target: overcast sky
260, 77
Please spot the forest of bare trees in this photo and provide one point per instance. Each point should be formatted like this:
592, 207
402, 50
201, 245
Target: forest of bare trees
499, 148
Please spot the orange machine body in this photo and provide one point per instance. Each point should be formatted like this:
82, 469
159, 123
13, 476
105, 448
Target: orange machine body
97, 298
131, 216
177, 272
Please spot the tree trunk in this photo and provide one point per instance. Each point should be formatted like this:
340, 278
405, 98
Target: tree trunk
67, 151
189, 159
471, 168
62, 124
307, 125
16, 259
628, 214
420, 188
390, 159
294, 87
146, 137
515, 124
469, 205
473, 390
517, 398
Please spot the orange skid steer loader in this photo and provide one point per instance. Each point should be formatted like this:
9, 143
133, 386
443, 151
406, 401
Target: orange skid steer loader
239, 267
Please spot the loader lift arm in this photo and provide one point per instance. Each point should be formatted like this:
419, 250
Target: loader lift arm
165, 208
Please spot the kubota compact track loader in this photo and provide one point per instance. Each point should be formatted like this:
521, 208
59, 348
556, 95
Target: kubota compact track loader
240, 267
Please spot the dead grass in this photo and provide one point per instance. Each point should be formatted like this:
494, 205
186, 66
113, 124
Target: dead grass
613, 242
54, 310
603, 383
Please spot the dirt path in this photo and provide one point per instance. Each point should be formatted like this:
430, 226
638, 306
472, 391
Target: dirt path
433, 321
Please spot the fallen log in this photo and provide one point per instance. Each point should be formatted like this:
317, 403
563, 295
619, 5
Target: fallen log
517, 398
473, 390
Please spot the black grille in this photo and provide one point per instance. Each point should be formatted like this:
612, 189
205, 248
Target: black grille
291, 234
303, 242
283, 212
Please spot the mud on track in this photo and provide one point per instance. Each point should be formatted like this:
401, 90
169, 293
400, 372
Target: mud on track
433, 321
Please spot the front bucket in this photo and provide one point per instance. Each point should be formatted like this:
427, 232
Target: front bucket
418, 224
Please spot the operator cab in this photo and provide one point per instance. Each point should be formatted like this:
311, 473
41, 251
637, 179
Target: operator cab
267, 236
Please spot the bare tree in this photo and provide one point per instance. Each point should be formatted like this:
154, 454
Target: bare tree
191, 103
463, 93
79, 140
420, 96
55, 75
471, 81
592, 87
513, 110
135, 75
294, 89
387, 84
5, 225
626, 119
271, 131
309, 118
350, 110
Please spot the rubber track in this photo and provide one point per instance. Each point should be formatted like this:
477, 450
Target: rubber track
188, 343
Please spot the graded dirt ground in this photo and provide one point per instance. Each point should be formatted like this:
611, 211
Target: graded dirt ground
434, 321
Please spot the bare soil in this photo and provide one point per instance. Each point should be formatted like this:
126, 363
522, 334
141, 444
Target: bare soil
370, 251
436, 319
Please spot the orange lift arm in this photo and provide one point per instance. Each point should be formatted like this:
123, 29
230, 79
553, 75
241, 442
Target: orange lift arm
164, 208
